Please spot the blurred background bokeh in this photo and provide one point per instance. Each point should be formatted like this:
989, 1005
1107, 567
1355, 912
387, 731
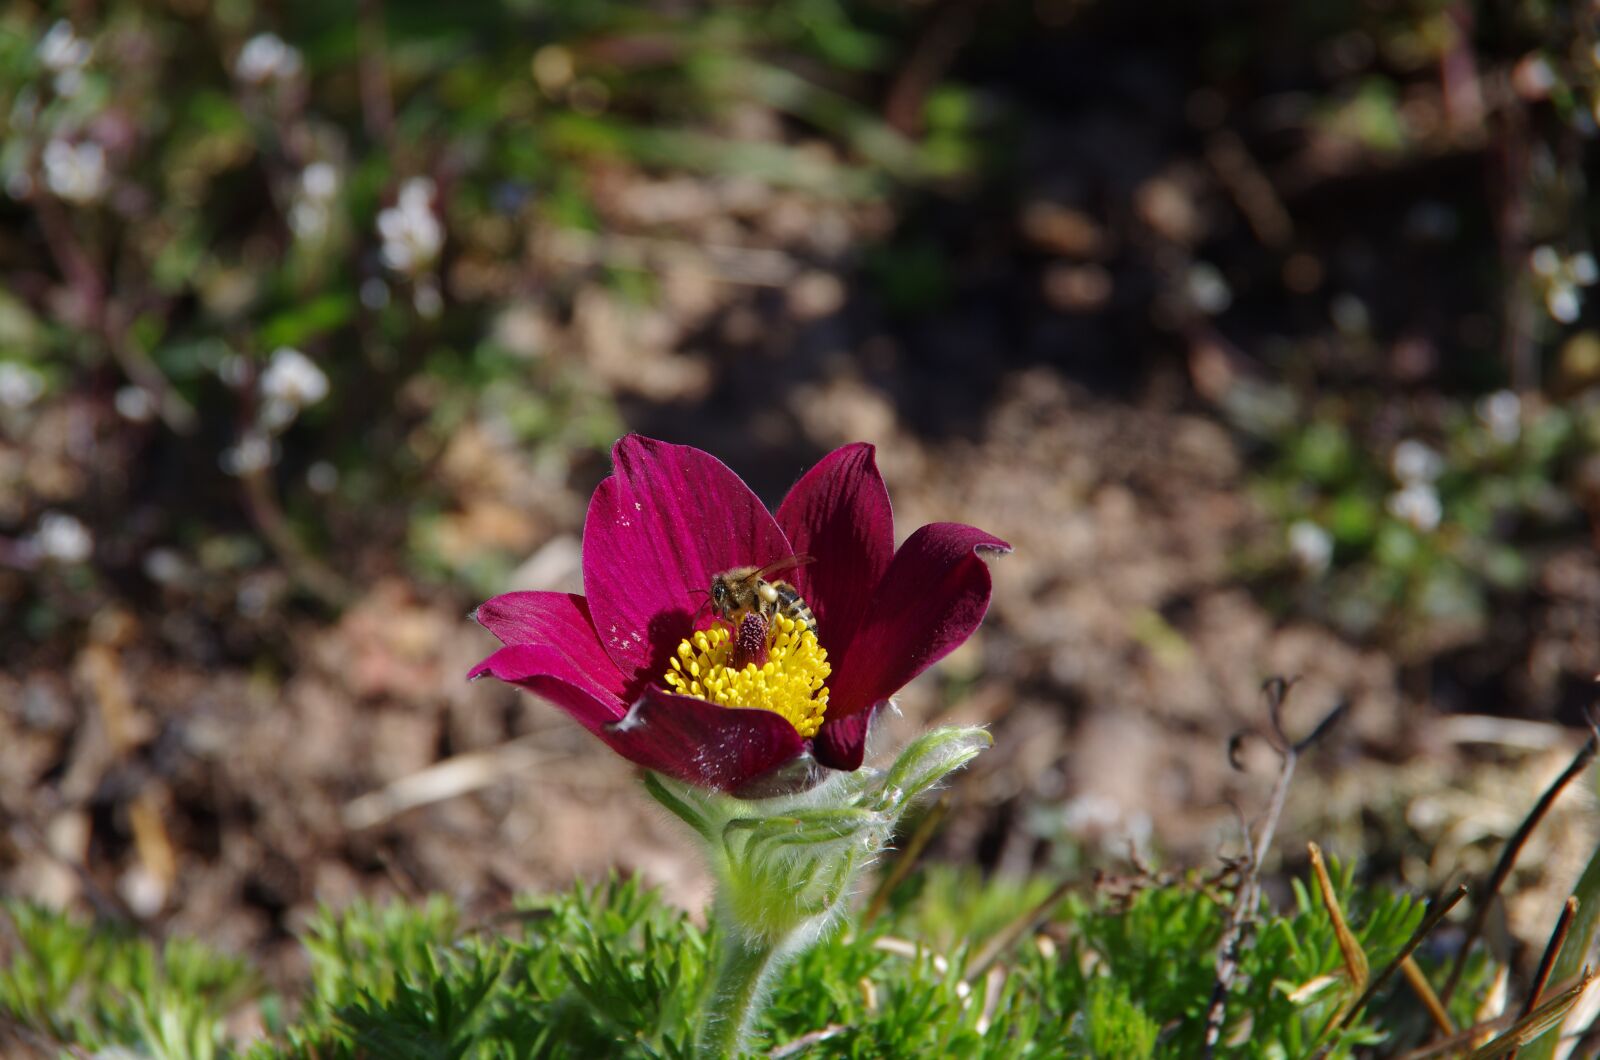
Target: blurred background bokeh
1263, 331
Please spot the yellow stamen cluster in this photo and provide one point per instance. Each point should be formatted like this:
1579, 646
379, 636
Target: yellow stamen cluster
790, 682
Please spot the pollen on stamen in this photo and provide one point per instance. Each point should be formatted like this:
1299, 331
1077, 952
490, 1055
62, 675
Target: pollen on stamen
791, 681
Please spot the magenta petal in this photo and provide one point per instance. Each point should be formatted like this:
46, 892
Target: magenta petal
841, 743
930, 600
659, 528
558, 620
839, 514
701, 743
548, 672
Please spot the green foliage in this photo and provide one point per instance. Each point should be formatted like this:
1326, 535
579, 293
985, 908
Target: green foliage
1113, 1025
609, 971
597, 972
98, 986
1388, 535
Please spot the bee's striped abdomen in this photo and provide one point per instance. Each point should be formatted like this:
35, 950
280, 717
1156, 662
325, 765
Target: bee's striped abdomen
794, 605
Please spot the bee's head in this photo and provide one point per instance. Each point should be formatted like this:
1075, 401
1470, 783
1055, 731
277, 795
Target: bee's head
721, 595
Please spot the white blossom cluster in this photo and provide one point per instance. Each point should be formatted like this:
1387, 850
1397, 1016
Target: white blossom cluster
254, 453
20, 385
1501, 415
64, 54
1311, 546
311, 213
266, 58
1416, 467
411, 231
61, 538
135, 404
291, 383
1563, 279
76, 172
1207, 288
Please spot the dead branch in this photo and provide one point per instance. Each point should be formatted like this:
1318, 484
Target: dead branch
1247, 897
1508, 860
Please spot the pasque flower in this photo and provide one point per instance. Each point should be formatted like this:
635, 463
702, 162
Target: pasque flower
641, 663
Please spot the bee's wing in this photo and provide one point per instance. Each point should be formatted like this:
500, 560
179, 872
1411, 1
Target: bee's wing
784, 564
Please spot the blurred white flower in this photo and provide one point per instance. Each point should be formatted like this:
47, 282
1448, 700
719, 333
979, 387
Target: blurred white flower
1501, 413
411, 232
1563, 279
253, 454
20, 385
76, 172
64, 54
265, 57
136, 404
291, 382
1208, 290
428, 301
312, 210
308, 219
1564, 302
165, 566
62, 49
1533, 76
62, 538
1413, 462
320, 180
143, 891
1584, 271
1417, 504
1310, 545
292, 376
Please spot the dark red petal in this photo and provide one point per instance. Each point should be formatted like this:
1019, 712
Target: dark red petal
841, 743
558, 620
661, 526
839, 513
930, 600
701, 743
548, 672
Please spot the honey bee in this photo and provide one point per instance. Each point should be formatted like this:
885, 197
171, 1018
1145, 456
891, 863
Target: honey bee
742, 589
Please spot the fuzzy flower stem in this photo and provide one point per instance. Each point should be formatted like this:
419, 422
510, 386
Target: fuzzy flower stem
784, 867
745, 970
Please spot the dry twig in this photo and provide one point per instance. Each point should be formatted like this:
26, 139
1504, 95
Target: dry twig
1547, 963
1519, 1030
806, 1041
1437, 911
1424, 990
1355, 958
1247, 897
455, 776
1508, 860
